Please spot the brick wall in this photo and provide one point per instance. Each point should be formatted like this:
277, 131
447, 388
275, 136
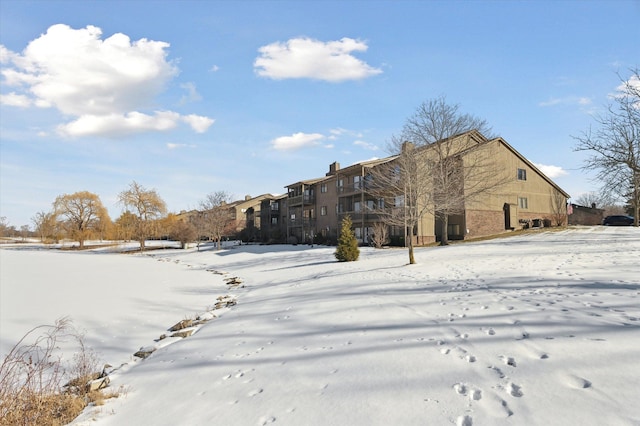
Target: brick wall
481, 223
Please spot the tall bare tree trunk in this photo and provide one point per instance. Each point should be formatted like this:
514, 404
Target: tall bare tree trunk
444, 230
412, 259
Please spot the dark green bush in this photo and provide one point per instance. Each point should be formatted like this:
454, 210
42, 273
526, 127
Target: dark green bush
347, 250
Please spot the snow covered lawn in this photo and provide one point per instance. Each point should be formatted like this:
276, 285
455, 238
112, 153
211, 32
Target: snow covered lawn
538, 329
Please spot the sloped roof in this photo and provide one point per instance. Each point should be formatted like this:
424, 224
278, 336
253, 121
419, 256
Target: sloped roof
308, 181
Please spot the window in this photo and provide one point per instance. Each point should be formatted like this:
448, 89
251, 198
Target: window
274, 220
523, 203
399, 202
522, 174
323, 188
356, 206
356, 182
323, 211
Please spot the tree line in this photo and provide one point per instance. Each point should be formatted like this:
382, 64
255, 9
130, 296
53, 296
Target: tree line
81, 216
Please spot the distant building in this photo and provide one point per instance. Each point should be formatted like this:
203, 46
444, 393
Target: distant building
581, 215
315, 207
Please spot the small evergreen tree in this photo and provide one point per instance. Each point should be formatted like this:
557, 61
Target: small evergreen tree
347, 250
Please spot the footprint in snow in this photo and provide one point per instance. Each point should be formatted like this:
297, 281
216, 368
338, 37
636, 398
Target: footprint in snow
498, 371
464, 421
265, 420
255, 392
514, 390
460, 388
508, 360
577, 382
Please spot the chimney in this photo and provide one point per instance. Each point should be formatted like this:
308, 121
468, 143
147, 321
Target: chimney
333, 168
407, 146
247, 197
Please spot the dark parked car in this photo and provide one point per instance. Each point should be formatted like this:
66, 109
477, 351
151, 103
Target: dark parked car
618, 220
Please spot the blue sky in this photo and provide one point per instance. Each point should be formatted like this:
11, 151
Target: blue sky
193, 97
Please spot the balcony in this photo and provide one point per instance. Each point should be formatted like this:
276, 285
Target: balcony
300, 199
306, 223
351, 188
356, 216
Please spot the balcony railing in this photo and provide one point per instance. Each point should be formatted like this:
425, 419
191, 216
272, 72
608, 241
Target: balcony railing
351, 188
356, 216
299, 199
306, 222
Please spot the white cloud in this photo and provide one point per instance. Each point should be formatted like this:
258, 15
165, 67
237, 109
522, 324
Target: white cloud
16, 100
366, 145
632, 85
198, 123
101, 83
307, 58
113, 125
179, 145
296, 141
192, 94
552, 172
569, 100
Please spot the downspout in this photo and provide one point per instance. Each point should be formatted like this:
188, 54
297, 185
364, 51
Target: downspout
362, 206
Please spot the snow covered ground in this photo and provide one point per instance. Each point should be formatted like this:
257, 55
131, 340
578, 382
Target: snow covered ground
538, 329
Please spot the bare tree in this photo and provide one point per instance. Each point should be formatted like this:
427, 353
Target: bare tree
147, 205
45, 225
380, 234
598, 199
4, 226
558, 208
83, 212
459, 171
215, 218
615, 144
403, 189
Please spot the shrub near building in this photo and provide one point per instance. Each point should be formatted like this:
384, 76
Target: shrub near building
347, 250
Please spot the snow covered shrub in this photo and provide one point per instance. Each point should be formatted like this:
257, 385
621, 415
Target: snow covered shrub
347, 250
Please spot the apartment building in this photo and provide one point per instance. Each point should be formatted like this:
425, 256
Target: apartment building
522, 196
